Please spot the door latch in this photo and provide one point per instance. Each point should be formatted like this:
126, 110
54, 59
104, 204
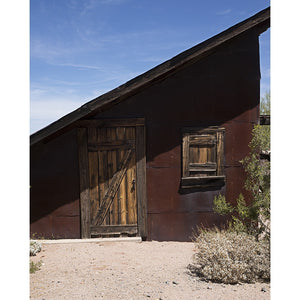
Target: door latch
133, 185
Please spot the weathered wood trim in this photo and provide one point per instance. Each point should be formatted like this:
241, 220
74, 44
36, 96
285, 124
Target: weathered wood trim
208, 167
203, 139
141, 181
206, 181
84, 182
114, 229
121, 135
264, 119
185, 155
206, 137
111, 145
202, 130
111, 122
220, 153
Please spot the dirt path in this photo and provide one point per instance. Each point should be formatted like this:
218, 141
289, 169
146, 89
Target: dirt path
127, 270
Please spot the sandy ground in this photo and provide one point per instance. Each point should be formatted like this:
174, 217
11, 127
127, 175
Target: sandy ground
128, 270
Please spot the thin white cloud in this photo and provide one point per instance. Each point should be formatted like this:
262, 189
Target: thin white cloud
53, 108
92, 4
42, 49
53, 99
224, 12
77, 66
88, 6
114, 2
47, 110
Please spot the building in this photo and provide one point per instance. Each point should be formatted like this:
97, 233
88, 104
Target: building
148, 157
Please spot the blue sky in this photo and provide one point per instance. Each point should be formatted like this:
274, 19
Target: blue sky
80, 49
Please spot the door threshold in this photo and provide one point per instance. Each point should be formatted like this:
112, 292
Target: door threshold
91, 240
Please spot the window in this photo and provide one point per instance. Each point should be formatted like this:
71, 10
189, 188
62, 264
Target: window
202, 157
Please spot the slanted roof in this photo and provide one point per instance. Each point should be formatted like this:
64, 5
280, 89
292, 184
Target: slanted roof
260, 22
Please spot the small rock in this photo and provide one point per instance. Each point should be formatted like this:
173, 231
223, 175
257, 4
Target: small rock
263, 289
174, 282
209, 288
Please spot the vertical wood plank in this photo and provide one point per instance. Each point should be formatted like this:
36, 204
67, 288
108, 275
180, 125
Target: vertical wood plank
141, 181
213, 157
103, 174
203, 155
93, 174
106, 181
84, 182
185, 155
109, 172
126, 197
118, 192
131, 182
114, 220
122, 199
220, 153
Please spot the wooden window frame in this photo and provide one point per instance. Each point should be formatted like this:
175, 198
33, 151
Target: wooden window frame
199, 135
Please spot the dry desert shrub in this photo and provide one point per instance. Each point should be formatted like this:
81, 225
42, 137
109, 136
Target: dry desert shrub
35, 247
230, 257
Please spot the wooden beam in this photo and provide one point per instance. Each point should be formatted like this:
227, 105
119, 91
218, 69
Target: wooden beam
141, 181
200, 182
84, 183
110, 145
220, 152
206, 167
114, 229
111, 122
185, 155
203, 140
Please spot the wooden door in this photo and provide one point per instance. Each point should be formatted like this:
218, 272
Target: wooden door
112, 177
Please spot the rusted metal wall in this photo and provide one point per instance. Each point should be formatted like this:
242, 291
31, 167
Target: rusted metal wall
54, 192
221, 89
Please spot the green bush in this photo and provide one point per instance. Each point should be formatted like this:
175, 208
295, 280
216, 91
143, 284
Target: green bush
242, 252
254, 217
231, 257
34, 266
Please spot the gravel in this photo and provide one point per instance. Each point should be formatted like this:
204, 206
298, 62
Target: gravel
128, 270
